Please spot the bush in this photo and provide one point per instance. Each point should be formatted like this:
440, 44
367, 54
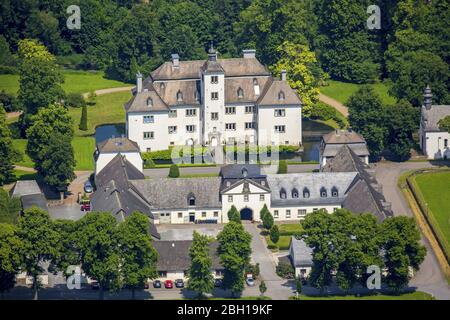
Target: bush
274, 234
83, 121
9, 101
149, 164
282, 166
75, 100
272, 247
174, 171
267, 220
322, 111
8, 70
233, 215
285, 270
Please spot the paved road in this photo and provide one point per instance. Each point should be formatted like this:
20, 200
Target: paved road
277, 288
163, 172
430, 277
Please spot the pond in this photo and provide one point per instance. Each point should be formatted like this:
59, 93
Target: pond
107, 131
312, 132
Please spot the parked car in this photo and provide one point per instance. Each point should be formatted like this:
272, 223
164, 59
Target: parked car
88, 188
179, 283
217, 283
156, 284
168, 284
249, 280
146, 286
95, 285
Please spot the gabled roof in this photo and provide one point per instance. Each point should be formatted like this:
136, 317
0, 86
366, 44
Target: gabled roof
360, 149
271, 94
301, 253
190, 90
339, 136
232, 85
114, 145
430, 117
345, 160
27, 187
174, 255
138, 102
236, 171
34, 200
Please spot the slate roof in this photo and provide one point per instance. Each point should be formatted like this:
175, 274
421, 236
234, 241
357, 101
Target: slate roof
117, 195
169, 193
343, 136
114, 145
190, 90
27, 187
174, 255
360, 149
301, 253
138, 102
34, 200
232, 85
314, 182
430, 117
235, 171
270, 95
364, 194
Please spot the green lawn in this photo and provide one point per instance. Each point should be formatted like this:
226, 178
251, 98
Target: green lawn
290, 228
434, 187
24, 175
283, 243
341, 91
417, 295
107, 110
75, 82
199, 175
21, 145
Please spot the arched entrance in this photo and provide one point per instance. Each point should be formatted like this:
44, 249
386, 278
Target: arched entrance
247, 214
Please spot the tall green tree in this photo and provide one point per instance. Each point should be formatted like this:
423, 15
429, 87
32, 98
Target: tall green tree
40, 79
234, 251
267, 220
274, 234
444, 124
367, 116
9, 208
40, 243
100, 257
137, 255
200, 276
233, 215
7, 152
83, 120
11, 247
58, 162
401, 243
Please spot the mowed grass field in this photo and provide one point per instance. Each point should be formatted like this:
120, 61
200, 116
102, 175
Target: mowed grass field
435, 188
74, 82
341, 91
287, 230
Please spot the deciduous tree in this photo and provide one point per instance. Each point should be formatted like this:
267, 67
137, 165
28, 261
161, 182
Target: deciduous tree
200, 276
11, 247
7, 152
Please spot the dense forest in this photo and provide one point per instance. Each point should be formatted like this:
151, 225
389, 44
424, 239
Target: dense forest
121, 36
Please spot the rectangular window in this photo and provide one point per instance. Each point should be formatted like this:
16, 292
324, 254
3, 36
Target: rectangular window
190, 128
191, 112
149, 119
301, 213
180, 215
214, 96
230, 110
214, 79
245, 197
249, 125
445, 143
280, 112
149, 149
230, 126
280, 129
149, 135
203, 214
172, 113
216, 214
288, 213
261, 197
172, 129
214, 116
315, 209
275, 213
249, 109
230, 198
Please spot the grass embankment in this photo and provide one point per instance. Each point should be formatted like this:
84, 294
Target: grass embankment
287, 230
341, 91
74, 82
417, 295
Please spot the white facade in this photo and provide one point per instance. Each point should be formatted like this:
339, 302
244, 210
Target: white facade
435, 145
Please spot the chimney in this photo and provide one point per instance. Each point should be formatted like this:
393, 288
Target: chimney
249, 53
427, 98
138, 82
283, 75
175, 60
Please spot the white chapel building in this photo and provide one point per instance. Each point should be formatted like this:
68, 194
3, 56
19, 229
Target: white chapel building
213, 102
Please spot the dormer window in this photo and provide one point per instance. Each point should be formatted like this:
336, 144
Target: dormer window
323, 192
282, 193
228, 183
255, 81
196, 96
281, 95
334, 192
149, 102
294, 193
191, 200
256, 86
244, 173
240, 93
179, 96
305, 193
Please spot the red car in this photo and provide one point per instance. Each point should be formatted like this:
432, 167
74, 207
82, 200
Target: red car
168, 284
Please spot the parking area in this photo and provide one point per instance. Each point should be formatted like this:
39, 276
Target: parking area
184, 231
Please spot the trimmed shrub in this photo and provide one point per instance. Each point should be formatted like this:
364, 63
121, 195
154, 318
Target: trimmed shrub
274, 234
83, 121
149, 164
174, 171
282, 166
233, 215
75, 100
285, 270
267, 220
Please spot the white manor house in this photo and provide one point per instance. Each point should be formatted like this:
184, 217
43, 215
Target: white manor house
213, 102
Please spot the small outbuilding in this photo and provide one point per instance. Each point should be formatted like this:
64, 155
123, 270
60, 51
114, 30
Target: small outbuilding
300, 255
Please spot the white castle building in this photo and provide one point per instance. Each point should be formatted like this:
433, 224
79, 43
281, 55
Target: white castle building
213, 102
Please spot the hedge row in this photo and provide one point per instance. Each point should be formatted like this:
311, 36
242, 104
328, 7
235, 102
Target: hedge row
418, 196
